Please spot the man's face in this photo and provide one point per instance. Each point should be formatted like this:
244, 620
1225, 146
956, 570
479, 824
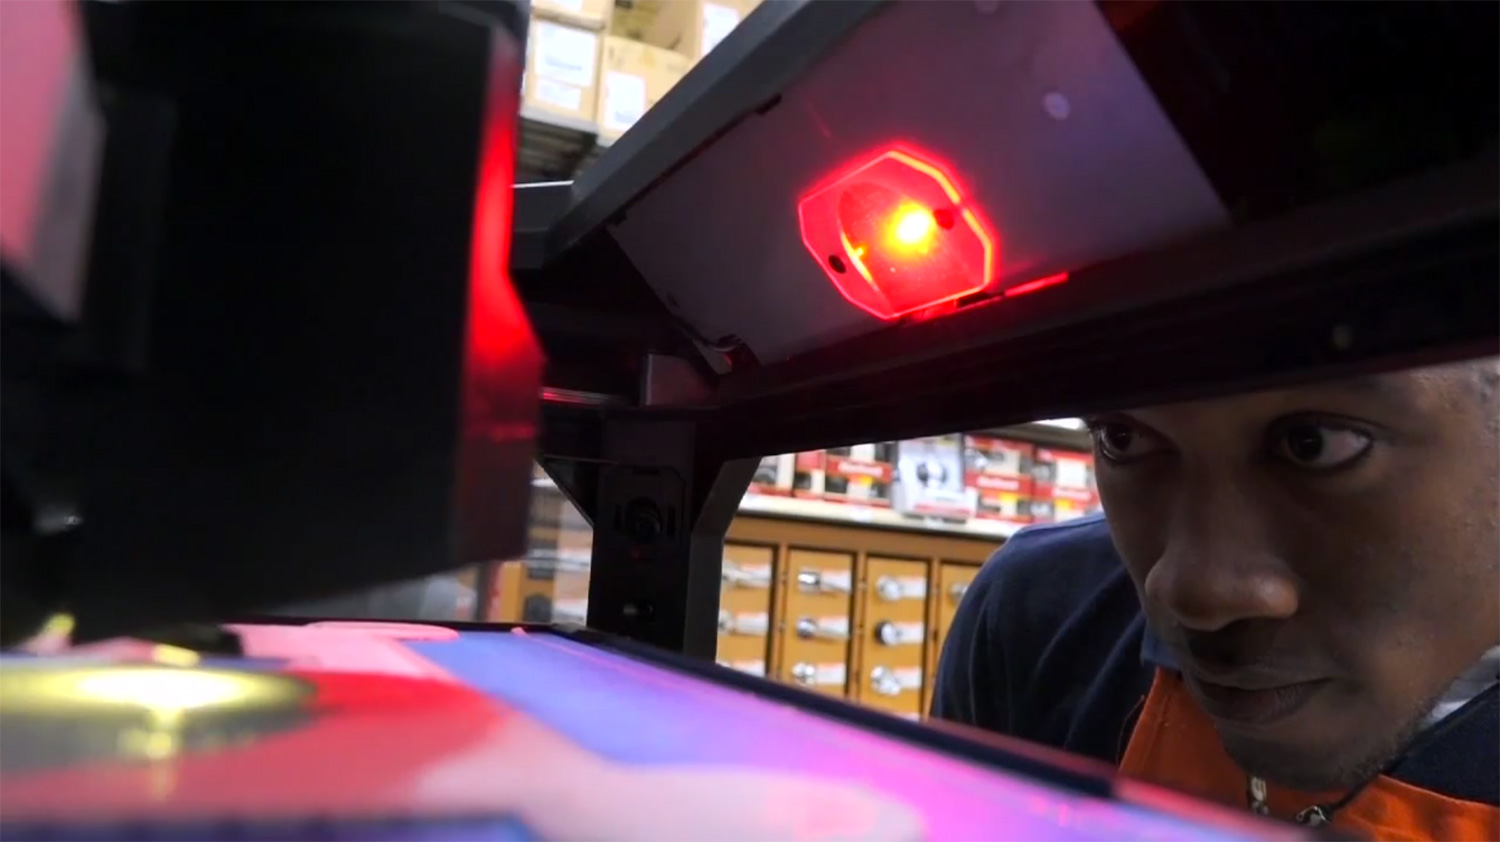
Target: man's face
1322, 561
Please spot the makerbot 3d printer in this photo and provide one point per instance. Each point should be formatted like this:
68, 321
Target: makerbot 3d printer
278, 325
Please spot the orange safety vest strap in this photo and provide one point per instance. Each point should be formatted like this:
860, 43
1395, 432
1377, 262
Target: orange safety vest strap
1174, 744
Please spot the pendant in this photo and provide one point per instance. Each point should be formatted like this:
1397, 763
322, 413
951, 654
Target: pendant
1257, 797
1314, 816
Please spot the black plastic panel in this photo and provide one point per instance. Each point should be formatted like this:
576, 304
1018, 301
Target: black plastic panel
1289, 102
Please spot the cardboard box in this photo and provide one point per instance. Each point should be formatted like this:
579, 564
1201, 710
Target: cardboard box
562, 70
589, 14
634, 77
690, 27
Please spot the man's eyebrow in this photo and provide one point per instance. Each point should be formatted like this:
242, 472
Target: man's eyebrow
1385, 386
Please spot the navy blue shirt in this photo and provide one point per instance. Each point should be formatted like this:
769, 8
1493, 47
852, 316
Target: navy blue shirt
1050, 645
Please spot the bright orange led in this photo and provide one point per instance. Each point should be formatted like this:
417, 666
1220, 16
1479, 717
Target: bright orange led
914, 226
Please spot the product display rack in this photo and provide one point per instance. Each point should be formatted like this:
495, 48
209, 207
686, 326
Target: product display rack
847, 599
819, 598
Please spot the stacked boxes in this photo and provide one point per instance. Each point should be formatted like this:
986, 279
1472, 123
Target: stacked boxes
589, 14
690, 28
633, 77
599, 66
563, 46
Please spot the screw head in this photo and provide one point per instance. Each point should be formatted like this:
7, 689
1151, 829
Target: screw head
1342, 337
1056, 104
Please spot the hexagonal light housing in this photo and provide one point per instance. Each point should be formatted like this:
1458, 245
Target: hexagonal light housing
896, 236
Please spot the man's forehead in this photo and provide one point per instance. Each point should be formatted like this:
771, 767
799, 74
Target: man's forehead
1411, 389
1413, 385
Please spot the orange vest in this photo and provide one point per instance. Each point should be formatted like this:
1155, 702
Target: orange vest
1174, 744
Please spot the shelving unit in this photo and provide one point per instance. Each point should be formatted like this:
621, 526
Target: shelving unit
850, 600
553, 148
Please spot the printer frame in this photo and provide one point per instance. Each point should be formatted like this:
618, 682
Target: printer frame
656, 448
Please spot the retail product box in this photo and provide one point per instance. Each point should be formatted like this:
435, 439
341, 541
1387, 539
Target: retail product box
588, 14
862, 474
1063, 485
775, 475
635, 75
689, 27
930, 479
999, 473
809, 473
562, 69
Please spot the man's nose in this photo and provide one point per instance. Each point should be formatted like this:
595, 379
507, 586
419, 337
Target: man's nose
1220, 566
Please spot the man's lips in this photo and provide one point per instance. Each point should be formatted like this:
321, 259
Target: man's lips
1251, 699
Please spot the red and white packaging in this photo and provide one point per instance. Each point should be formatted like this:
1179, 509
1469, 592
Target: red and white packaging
999, 472
861, 474
1063, 485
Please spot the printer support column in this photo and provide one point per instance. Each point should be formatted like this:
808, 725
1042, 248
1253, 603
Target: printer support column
660, 503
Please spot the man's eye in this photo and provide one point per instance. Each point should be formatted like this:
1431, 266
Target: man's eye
1120, 441
1318, 447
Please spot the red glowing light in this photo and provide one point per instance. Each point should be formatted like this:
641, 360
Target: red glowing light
1039, 283
503, 361
896, 236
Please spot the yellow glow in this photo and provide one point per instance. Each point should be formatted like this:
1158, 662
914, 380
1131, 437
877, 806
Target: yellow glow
913, 226
857, 258
162, 692
60, 625
151, 745
175, 655
163, 689
157, 701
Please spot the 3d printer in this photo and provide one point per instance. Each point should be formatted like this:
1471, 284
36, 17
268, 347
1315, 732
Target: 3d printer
276, 323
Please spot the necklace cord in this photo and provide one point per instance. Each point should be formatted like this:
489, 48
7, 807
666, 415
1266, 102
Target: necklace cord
1325, 812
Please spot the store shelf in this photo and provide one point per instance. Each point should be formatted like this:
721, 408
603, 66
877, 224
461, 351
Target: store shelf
1049, 434
797, 508
553, 147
